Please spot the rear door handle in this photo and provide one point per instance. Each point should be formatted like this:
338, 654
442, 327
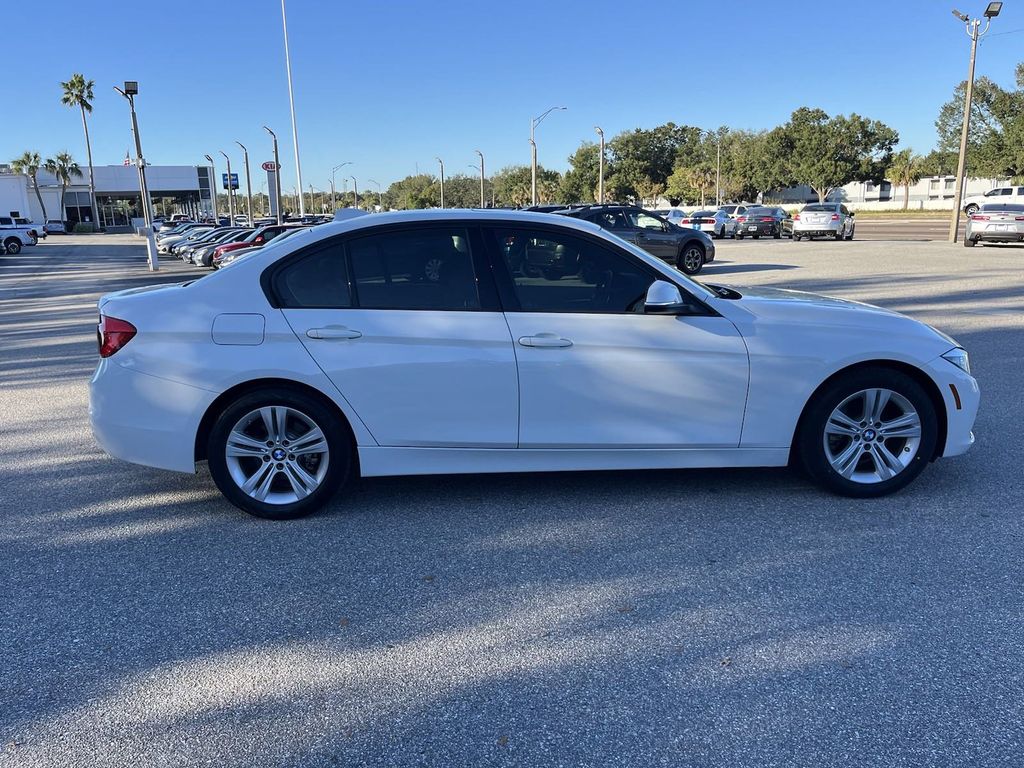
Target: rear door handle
333, 332
544, 340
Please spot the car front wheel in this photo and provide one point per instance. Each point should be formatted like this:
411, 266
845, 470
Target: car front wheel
971, 209
12, 246
868, 433
691, 258
279, 453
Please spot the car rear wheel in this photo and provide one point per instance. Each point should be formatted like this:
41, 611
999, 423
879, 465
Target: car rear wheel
12, 245
279, 453
970, 242
850, 236
778, 234
691, 258
868, 433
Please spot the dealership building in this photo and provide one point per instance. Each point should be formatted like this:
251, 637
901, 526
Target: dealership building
180, 188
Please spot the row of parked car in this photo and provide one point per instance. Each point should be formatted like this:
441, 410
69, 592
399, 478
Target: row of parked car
207, 244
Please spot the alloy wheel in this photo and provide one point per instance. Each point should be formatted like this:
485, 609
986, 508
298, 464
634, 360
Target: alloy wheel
872, 436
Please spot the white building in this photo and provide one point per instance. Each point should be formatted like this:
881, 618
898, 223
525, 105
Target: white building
179, 188
930, 193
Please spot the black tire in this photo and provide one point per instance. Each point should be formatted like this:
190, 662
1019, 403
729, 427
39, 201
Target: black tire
340, 452
738, 236
12, 245
810, 446
777, 234
756, 237
852, 230
691, 258
838, 235
971, 209
970, 242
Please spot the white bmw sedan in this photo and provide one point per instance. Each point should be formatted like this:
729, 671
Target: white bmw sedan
420, 343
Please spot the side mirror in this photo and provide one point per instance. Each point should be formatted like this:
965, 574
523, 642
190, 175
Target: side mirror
663, 298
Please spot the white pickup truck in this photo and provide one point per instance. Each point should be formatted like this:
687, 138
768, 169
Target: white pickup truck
14, 234
997, 195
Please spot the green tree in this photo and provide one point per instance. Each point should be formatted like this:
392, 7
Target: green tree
461, 191
580, 182
63, 166
905, 170
78, 93
643, 158
826, 152
29, 164
512, 185
414, 192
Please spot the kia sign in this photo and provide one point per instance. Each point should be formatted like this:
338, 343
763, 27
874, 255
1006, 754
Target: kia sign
270, 165
234, 180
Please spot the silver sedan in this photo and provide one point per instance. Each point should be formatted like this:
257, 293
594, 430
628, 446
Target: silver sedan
715, 223
823, 220
996, 223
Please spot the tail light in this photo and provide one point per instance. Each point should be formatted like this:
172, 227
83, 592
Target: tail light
767, 218
796, 217
112, 334
741, 219
835, 217
978, 217
685, 221
1018, 218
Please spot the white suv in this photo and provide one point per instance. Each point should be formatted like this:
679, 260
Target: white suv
997, 195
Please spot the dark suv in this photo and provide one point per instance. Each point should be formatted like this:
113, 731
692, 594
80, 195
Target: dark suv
687, 249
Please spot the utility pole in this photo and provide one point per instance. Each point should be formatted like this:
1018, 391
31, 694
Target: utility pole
600, 168
277, 173
533, 153
481, 154
248, 181
441, 162
972, 28
291, 102
131, 90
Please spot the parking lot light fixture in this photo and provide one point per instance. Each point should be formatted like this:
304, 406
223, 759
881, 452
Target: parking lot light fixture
600, 166
231, 192
277, 172
380, 193
248, 181
355, 190
213, 186
441, 163
131, 90
974, 32
533, 151
481, 155
333, 171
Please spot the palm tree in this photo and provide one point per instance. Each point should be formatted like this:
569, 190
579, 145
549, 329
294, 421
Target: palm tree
63, 166
29, 164
905, 169
78, 93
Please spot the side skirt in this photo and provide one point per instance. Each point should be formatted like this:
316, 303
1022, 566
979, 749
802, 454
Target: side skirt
377, 462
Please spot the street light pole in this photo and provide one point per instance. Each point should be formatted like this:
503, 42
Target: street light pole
441, 162
600, 168
972, 28
291, 102
380, 193
213, 187
231, 192
277, 173
481, 154
533, 153
355, 190
333, 171
131, 89
248, 181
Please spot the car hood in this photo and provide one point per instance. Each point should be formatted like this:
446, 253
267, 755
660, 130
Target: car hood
760, 305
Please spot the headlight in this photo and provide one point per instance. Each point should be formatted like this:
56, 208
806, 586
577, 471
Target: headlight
959, 358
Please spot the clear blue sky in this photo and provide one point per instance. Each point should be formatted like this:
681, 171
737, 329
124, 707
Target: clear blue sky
390, 85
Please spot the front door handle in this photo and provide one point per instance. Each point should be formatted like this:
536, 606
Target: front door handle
333, 332
545, 340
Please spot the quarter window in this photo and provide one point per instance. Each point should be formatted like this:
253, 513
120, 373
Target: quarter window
613, 220
318, 280
430, 269
557, 272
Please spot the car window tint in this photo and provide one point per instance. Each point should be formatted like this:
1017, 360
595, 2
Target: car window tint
610, 220
414, 269
317, 280
557, 272
644, 220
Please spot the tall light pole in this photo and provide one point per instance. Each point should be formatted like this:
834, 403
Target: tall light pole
231, 192
248, 180
481, 155
333, 171
277, 172
600, 167
355, 190
380, 193
533, 152
131, 90
291, 102
213, 187
441, 162
991, 11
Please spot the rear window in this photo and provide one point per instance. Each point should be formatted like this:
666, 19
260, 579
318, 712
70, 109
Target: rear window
1003, 208
821, 207
703, 215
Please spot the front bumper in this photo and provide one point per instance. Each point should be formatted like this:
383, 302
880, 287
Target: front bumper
960, 415
146, 419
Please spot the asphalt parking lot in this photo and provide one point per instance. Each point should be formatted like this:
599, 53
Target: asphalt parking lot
705, 618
